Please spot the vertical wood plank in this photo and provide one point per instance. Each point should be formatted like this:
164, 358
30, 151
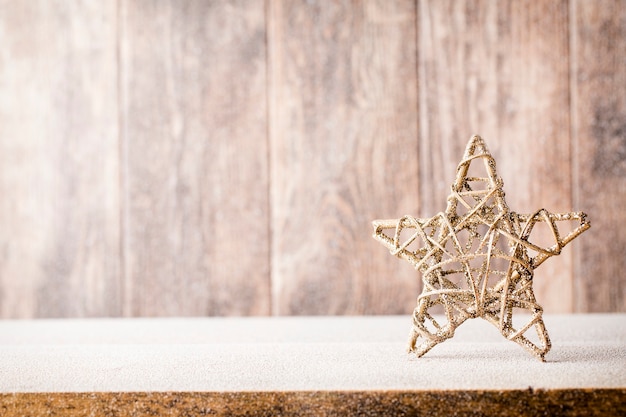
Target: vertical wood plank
533, 146
343, 130
195, 151
458, 89
500, 69
59, 218
599, 125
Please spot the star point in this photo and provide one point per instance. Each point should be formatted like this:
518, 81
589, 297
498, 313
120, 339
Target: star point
477, 258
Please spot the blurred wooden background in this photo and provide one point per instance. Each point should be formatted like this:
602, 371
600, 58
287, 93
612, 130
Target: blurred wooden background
182, 158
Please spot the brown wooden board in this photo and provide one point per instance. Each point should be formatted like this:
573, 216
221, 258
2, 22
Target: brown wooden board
573, 402
193, 83
500, 69
59, 201
343, 134
599, 150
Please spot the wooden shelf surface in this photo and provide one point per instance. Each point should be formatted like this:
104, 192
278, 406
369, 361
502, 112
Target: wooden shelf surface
303, 363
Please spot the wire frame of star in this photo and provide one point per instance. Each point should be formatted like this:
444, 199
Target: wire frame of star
477, 258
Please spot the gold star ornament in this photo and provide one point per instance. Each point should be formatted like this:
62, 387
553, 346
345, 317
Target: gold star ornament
477, 258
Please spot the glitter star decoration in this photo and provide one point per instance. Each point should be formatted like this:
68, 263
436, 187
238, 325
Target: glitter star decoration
477, 258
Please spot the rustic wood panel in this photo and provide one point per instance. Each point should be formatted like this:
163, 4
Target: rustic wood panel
195, 158
534, 127
599, 143
500, 69
458, 90
136, 176
343, 134
522, 403
59, 211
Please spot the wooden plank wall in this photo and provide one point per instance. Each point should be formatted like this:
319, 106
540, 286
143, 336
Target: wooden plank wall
343, 124
191, 158
193, 117
59, 161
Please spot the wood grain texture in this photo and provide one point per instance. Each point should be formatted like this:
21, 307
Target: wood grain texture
523, 403
458, 92
226, 158
343, 134
500, 69
59, 211
599, 141
195, 152
533, 128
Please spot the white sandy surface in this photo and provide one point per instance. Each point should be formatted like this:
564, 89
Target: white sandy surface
299, 353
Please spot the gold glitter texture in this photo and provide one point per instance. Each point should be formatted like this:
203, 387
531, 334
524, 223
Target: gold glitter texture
478, 257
